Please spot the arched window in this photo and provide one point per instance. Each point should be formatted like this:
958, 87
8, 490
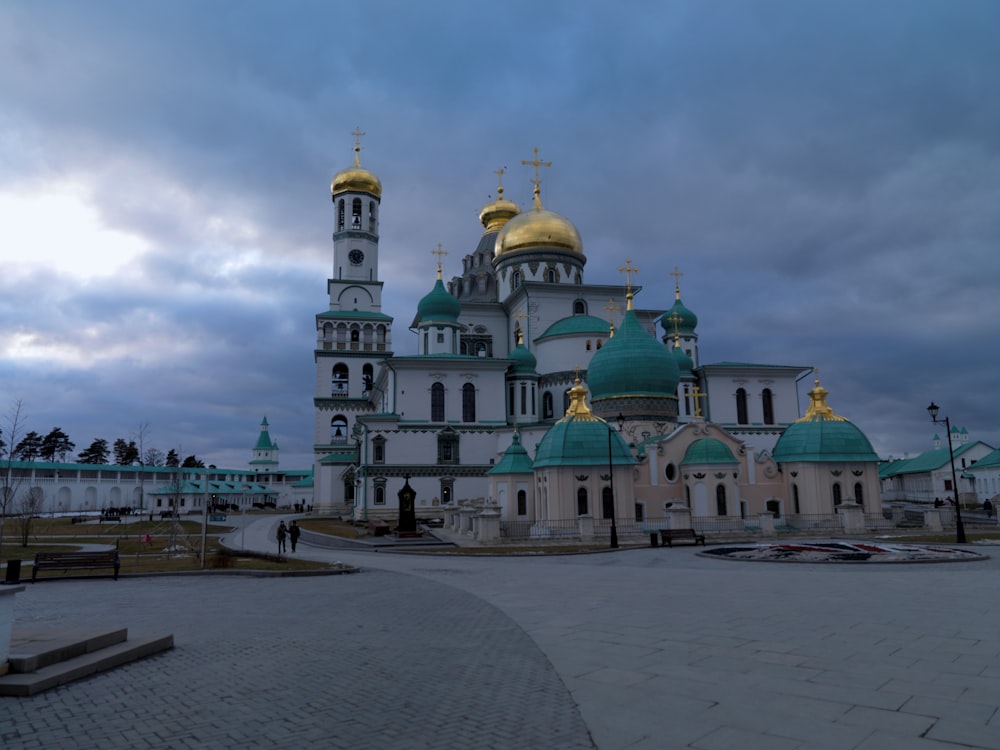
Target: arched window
356, 213
437, 402
741, 406
547, 405
367, 378
355, 335
859, 493
339, 380
515, 280
380, 494
371, 216
340, 214
795, 498
480, 349
378, 449
670, 472
338, 429
720, 500
588, 345
599, 343
838, 497
341, 333
380, 335
607, 503
767, 402
328, 332
522, 503
581, 501
550, 275
579, 307
468, 403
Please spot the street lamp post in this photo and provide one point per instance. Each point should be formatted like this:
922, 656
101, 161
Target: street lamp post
611, 480
959, 526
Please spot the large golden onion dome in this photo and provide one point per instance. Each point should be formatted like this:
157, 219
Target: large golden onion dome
356, 179
537, 229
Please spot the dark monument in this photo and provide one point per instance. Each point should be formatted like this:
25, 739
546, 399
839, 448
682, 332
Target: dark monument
407, 525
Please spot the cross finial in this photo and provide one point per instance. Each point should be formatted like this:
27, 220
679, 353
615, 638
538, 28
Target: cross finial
439, 252
628, 269
676, 273
500, 173
676, 320
357, 146
536, 163
611, 307
697, 394
520, 317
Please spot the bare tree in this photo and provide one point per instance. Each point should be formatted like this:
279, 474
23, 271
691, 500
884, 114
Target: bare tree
28, 508
10, 478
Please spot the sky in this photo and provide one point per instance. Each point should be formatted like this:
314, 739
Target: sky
826, 175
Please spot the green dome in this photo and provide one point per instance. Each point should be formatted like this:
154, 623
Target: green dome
438, 306
686, 320
524, 361
581, 439
577, 325
515, 459
821, 435
685, 365
632, 363
708, 451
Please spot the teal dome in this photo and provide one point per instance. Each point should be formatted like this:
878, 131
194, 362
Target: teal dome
686, 320
524, 362
577, 325
515, 459
581, 439
708, 451
821, 435
438, 306
632, 363
685, 365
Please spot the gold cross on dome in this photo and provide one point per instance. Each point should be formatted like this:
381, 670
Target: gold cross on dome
628, 269
676, 320
439, 252
357, 146
697, 395
536, 163
611, 307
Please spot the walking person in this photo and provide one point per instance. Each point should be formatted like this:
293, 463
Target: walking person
282, 533
293, 533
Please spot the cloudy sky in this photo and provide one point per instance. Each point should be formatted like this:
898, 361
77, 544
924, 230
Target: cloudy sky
825, 174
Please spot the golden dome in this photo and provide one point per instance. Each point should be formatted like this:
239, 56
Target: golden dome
497, 213
538, 229
356, 179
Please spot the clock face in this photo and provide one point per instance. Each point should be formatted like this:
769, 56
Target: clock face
356, 257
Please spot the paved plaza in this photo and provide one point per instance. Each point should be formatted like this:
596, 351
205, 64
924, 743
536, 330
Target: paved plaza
640, 649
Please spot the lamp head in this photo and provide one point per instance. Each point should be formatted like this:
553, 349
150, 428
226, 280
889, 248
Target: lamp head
933, 411
621, 421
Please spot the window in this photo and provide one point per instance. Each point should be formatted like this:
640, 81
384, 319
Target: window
767, 402
338, 429
837, 494
378, 449
720, 500
670, 472
355, 335
599, 343
581, 501
380, 494
447, 446
340, 214
447, 485
515, 280
440, 338
859, 493
524, 399
522, 503
547, 405
339, 380
550, 275
356, 213
795, 497
468, 403
437, 403
371, 216
607, 503
588, 345
741, 406
640, 512
367, 377
579, 307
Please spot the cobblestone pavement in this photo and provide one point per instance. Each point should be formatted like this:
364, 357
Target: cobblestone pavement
650, 648
369, 660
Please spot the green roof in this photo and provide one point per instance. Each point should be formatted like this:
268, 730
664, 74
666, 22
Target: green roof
708, 451
524, 362
438, 306
925, 462
825, 440
515, 460
687, 322
577, 325
632, 363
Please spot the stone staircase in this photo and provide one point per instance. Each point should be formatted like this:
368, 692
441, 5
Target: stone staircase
43, 658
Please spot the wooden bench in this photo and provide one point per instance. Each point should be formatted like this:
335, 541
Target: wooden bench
669, 535
75, 561
378, 527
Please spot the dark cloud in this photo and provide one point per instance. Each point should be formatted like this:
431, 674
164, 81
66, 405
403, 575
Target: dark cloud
826, 175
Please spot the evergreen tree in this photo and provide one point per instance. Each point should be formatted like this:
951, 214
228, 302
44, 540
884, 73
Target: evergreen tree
126, 454
96, 453
29, 447
56, 443
172, 459
192, 462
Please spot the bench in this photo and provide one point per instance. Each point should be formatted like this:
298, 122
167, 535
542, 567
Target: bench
111, 519
75, 561
669, 535
378, 527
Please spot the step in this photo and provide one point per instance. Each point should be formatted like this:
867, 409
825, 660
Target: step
34, 648
84, 665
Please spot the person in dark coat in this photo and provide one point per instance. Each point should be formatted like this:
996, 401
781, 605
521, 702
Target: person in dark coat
282, 533
293, 533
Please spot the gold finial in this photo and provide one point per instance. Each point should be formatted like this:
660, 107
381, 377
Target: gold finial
676, 320
536, 163
357, 146
697, 394
500, 173
676, 273
578, 408
818, 408
520, 317
611, 307
439, 252
628, 269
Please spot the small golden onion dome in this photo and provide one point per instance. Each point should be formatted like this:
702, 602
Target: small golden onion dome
538, 229
497, 213
356, 180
